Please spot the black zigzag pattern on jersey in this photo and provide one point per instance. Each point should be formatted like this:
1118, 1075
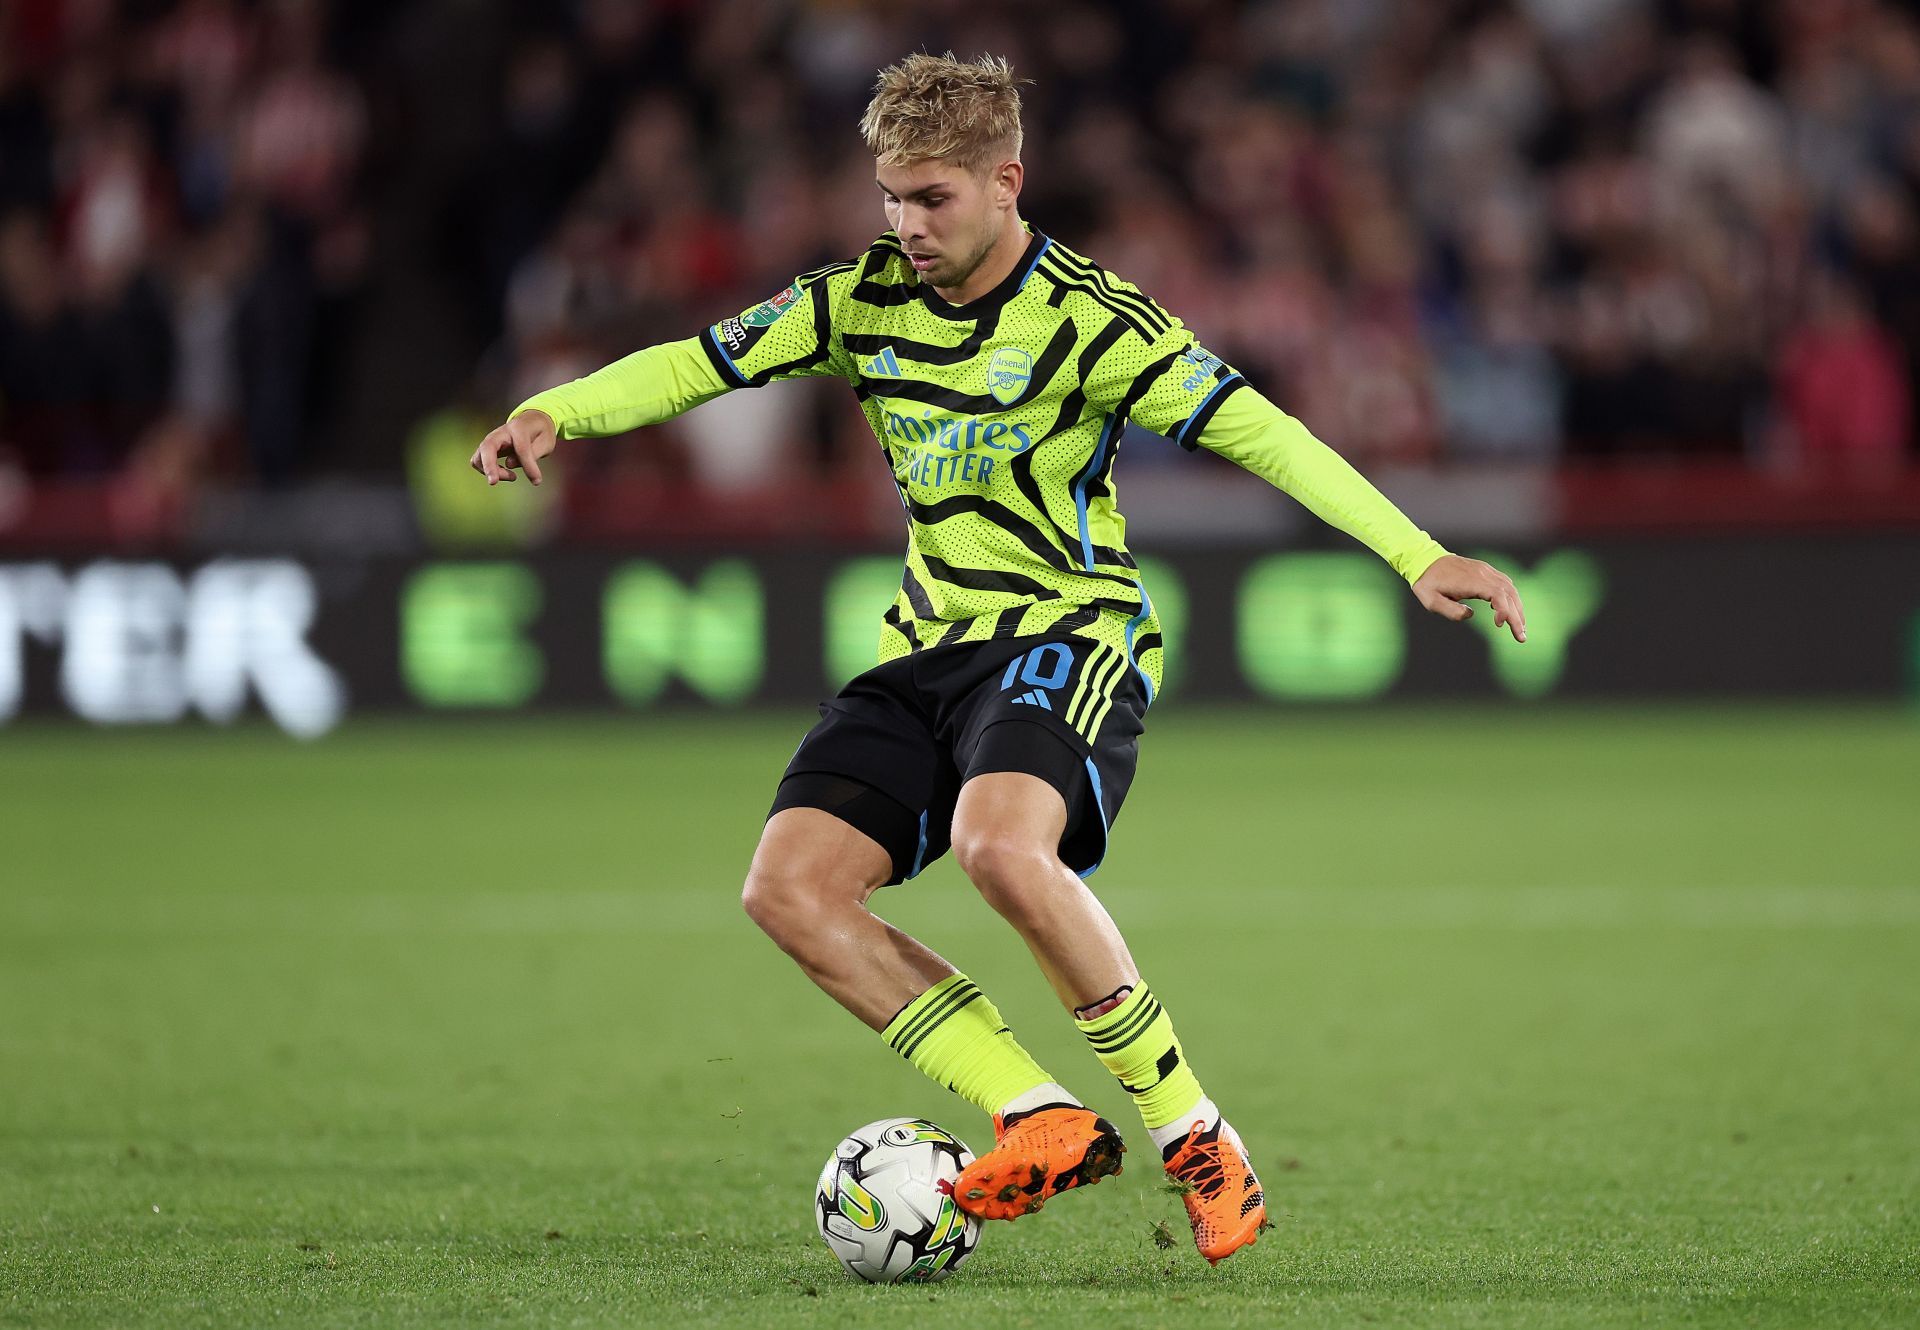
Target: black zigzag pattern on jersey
880, 295
987, 579
1064, 281
1096, 484
1050, 552
1109, 435
892, 620
917, 595
1007, 622
1146, 378
827, 270
926, 353
1145, 320
813, 285
1150, 311
1011, 584
1071, 408
822, 321
1149, 314
883, 295
981, 404
1090, 357
931, 514
1021, 468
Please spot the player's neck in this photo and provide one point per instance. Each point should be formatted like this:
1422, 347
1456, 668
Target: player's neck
1000, 260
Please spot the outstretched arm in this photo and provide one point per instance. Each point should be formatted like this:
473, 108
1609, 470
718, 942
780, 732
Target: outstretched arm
1256, 434
644, 388
787, 336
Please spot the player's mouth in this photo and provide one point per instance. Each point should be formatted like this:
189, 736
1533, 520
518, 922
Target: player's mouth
920, 262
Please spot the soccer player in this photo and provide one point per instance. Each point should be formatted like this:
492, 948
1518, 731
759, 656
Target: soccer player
998, 370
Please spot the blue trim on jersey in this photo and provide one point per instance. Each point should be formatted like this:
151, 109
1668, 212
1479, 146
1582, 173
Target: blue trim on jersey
1035, 261
1179, 435
1146, 608
1080, 490
1100, 806
920, 855
740, 379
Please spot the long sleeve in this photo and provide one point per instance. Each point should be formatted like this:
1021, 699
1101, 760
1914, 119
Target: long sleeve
644, 388
1252, 432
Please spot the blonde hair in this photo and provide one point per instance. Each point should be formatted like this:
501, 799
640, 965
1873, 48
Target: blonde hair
934, 106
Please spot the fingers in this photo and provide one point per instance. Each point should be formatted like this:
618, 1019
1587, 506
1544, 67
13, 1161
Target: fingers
500, 455
515, 446
1508, 611
533, 439
1464, 580
1499, 592
485, 458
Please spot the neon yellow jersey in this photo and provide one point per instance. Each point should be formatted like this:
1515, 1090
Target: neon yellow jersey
1001, 420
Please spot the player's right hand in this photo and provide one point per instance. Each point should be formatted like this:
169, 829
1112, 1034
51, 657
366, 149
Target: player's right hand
517, 445
1453, 579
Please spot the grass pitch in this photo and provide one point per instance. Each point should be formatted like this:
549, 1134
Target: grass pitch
1531, 1018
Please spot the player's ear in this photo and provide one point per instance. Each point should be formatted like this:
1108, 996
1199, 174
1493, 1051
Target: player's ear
1007, 179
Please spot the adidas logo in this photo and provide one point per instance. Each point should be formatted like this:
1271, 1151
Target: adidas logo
1034, 698
882, 366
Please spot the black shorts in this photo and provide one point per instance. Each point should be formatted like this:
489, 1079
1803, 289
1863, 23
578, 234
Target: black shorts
893, 749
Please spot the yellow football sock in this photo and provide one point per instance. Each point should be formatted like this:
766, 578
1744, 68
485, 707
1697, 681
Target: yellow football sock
955, 1035
1135, 1042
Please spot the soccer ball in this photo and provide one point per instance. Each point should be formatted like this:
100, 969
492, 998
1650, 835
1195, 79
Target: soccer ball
882, 1210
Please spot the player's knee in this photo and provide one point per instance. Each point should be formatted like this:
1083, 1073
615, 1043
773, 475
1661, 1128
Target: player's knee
775, 899
789, 899
1011, 871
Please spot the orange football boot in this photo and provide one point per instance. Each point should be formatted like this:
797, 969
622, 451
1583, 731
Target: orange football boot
1224, 1201
1037, 1153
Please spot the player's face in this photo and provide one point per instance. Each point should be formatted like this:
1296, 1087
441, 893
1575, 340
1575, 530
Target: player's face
947, 217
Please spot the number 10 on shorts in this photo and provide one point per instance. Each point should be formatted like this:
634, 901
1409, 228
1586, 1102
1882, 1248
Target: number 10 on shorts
1046, 666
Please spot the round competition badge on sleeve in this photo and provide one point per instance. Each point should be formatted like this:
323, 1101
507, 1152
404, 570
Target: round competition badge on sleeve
1008, 374
764, 313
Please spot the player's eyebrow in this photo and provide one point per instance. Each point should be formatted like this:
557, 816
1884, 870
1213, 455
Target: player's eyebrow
937, 187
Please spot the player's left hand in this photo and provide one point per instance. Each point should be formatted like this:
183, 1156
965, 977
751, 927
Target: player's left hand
1453, 579
517, 445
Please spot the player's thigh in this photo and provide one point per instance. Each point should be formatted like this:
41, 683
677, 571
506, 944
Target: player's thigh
874, 764
808, 857
1082, 748
1005, 822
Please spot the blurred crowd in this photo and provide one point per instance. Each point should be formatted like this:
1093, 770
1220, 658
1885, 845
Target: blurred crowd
178, 231
1433, 229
